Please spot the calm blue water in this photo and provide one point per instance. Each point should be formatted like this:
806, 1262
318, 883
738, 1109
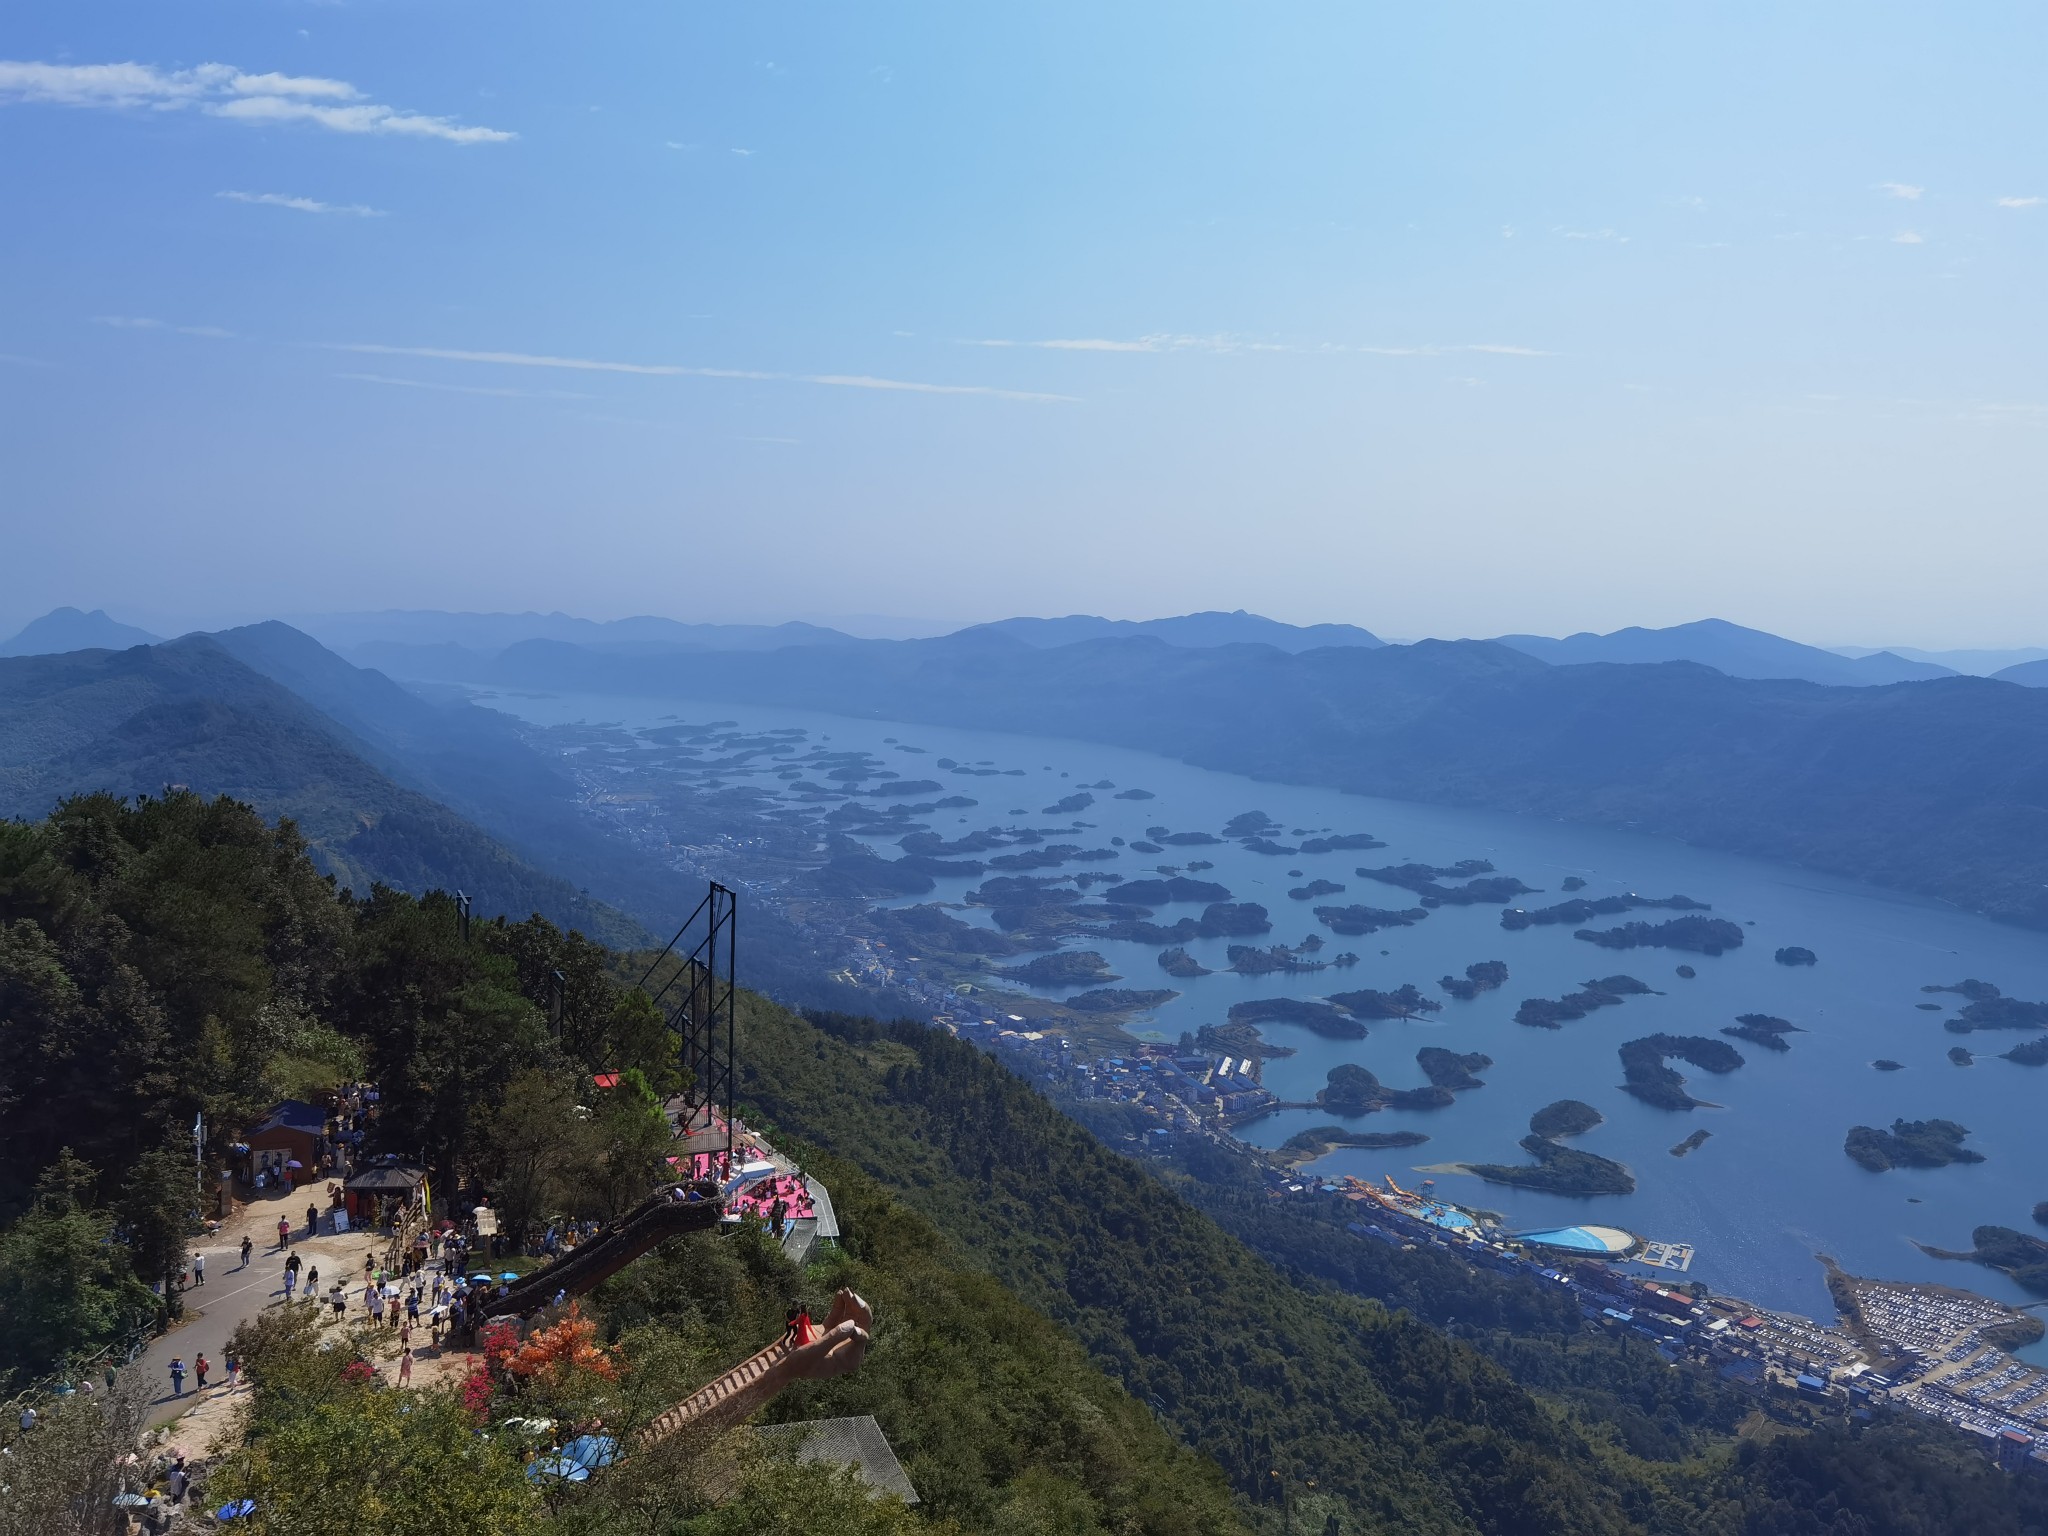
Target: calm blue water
1771, 1188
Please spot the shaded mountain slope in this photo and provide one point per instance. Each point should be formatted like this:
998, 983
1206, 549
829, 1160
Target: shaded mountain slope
188, 713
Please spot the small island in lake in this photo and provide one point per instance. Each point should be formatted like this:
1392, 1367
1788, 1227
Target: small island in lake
1448, 1069
1352, 1090
1571, 883
1403, 1003
1159, 893
1702, 935
1233, 1039
1179, 963
2031, 1053
1581, 908
1795, 954
1066, 968
1560, 1170
1886, 1064
1928, 1007
1356, 922
1119, 1000
1331, 1022
1976, 991
1567, 1117
1691, 1143
1988, 1008
1135, 794
1548, 1013
2041, 1213
1080, 800
1345, 840
1686, 972
1314, 889
1248, 960
1486, 976
1766, 1030
1646, 1076
2023, 1257
1961, 1056
1318, 1141
1910, 1144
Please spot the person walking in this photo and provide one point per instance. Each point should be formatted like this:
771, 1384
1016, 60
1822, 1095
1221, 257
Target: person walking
312, 1282
198, 1269
284, 1232
405, 1369
177, 1375
200, 1366
339, 1298
234, 1370
248, 1247
291, 1281
376, 1302
312, 1221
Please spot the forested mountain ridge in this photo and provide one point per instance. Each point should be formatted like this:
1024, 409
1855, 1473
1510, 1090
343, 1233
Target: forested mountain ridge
1252, 1340
180, 957
189, 713
1934, 787
1040, 1299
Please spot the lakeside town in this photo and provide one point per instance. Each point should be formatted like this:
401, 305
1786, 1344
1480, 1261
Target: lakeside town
1931, 1349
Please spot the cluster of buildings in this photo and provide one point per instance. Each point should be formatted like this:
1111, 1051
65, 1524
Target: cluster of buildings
1920, 1347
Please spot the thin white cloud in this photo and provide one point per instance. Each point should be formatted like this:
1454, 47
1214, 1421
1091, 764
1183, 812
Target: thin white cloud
1589, 234
144, 323
1901, 189
221, 90
303, 204
743, 153
678, 371
1908, 237
2019, 202
464, 389
1230, 344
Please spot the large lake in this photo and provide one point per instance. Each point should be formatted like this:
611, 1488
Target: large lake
1768, 1191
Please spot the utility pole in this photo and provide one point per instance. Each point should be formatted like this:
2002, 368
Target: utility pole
558, 986
462, 913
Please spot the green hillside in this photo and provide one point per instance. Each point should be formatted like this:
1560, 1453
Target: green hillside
1065, 1342
188, 713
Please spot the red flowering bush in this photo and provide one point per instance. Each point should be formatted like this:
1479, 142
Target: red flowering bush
476, 1393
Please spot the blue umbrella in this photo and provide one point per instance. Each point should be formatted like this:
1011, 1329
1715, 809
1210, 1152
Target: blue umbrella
235, 1509
560, 1467
592, 1451
510, 1274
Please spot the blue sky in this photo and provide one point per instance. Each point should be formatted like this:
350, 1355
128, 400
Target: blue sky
1452, 319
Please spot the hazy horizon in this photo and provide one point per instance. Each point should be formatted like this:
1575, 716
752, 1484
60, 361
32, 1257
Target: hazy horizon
1456, 323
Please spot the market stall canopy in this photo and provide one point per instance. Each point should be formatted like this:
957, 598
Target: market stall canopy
387, 1179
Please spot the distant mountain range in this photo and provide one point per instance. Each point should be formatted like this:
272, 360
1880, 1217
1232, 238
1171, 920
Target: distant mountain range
1731, 649
1189, 629
1928, 786
69, 629
425, 645
1969, 663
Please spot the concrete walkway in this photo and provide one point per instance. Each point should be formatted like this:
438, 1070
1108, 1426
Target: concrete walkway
232, 1295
